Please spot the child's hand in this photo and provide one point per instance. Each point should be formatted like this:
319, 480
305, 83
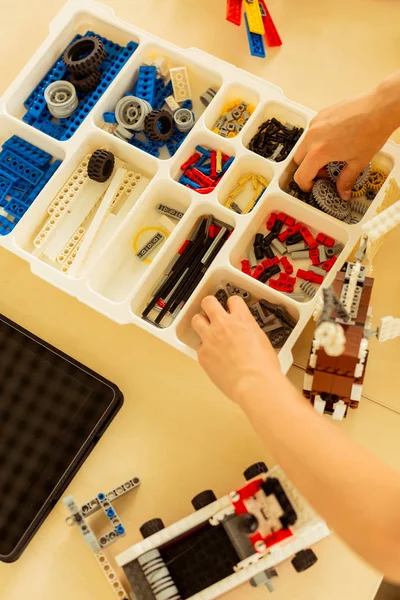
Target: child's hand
234, 352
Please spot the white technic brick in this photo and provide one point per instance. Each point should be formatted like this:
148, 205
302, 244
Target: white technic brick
313, 360
180, 84
132, 194
71, 245
319, 405
82, 524
308, 381
382, 223
98, 220
358, 371
352, 286
389, 329
339, 411
111, 577
363, 349
356, 391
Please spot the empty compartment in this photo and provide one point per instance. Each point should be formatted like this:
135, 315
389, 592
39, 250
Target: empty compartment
232, 111
146, 229
157, 75
203, 163
69, 229
324, 196
295, 264
177, 272
224, 283
245, 185
90, 81
26, 167
276, 131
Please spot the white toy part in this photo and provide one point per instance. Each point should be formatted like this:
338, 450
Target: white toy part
331, 337
351, 288
318, 308
339, 411
97, 222
111, 576
388, 329
375, 229
180, 84
383, 222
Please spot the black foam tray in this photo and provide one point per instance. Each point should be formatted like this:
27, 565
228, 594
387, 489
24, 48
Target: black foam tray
53, 410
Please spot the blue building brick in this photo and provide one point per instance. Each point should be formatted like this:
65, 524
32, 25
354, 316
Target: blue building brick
146, 84
38, 157
256, 42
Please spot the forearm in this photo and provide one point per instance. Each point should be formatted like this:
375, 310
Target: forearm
386, 99
357, 494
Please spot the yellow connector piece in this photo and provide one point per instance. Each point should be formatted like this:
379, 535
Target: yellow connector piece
219, 161
250, 109
255, 181
254, 18
252, 202
231, 134
216, 130
240, 121
235, 193
245, 179
264, 182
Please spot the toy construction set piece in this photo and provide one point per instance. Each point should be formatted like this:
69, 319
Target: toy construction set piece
152, 237
336, 367
233, 118
275, 140
279, 250
86, 211
228, 541
274, 320
157, 112
65, 408
258, 23
24, 171
325, 197
203, 170
78, 516
74, 83
187, 270
247, 193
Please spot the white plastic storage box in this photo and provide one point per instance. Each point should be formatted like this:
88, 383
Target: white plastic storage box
113, 280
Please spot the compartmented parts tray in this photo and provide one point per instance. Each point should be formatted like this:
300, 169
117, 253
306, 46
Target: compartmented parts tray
110, 244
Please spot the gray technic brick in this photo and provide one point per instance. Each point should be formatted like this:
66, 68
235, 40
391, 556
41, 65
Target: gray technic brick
278, 246
300, 254
322, 253
317, 270
297, 296
252, 257
297, 247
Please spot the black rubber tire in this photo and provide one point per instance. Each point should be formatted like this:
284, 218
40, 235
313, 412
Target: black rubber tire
254, 470
88, 83
159, 125
304, 560
91, 49
151, 527
101, 165
203, 499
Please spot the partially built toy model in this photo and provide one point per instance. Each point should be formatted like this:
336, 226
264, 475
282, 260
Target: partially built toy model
238, 538
336, 367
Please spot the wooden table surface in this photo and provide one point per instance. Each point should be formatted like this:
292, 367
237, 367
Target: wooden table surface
175, 430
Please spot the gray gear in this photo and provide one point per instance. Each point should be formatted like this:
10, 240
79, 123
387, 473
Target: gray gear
328, 200
334, 169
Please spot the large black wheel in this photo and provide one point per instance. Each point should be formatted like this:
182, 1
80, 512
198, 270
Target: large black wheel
88, 83
304, 560
159, 125
151, 527
101, 165
255, 470
203, 499
84, 55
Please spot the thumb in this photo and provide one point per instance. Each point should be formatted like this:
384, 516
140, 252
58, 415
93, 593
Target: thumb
347, 179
